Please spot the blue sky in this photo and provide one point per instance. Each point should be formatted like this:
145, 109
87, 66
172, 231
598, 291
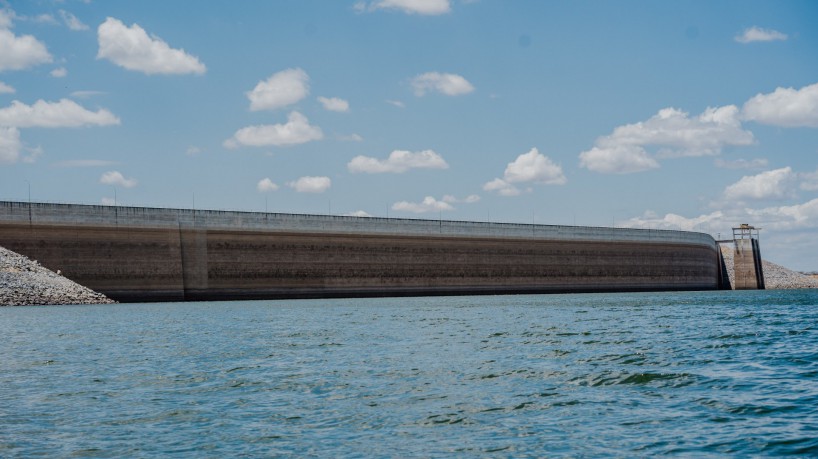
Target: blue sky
695, 115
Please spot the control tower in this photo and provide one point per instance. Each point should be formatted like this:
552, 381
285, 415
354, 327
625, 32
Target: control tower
748, 272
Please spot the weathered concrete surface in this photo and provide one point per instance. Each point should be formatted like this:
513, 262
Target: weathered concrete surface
748, 271
144, 255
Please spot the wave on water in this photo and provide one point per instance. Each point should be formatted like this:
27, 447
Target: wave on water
694, 374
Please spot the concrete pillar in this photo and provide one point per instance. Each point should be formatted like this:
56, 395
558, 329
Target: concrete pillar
747, 269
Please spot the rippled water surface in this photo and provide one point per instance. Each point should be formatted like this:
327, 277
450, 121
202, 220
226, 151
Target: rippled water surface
695, 374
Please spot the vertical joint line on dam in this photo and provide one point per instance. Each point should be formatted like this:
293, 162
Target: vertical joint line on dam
181, 256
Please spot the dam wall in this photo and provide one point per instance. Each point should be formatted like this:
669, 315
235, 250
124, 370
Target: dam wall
748, 270
151, 254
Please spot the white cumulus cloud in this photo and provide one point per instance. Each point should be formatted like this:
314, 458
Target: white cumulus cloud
422, 7
6, 89
281, 89
671, 132
115, 178
502, 187
334, 104
677, 222
532, 166
59, 72
399, 161
72, 21
776, 221
617, 160
296, 130
790, 217
774, 184
429, 204
18, 53
132, 49
358, 213
785, 107
752, 34
449, 84
266, 184
10, 145
65, 113
311, 184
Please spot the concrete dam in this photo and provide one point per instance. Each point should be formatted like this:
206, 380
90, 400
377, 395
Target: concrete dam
137, 254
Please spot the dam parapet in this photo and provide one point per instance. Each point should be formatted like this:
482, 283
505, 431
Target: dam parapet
149, 217
154, 254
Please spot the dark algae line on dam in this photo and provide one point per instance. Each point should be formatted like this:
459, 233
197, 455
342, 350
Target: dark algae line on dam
148, 254
688, 374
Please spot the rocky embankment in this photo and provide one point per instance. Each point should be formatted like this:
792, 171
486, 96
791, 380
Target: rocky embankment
775, 276
25, 282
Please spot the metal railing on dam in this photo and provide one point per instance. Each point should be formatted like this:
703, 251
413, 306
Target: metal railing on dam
150, 254
151, 217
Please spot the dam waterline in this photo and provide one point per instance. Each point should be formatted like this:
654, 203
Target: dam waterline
135, 254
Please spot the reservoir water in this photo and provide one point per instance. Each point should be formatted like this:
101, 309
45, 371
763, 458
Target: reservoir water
692, 374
